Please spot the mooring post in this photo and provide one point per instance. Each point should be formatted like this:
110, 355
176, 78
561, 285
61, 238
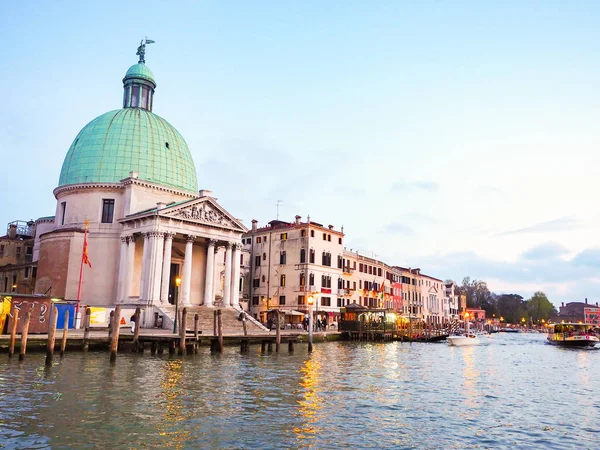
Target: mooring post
160, 350
24, 333
196, 319
86, 330
263, 346
110, 323
136, 330
244, 326
171, 347
51, 334
153, 348
291, 346
310, 331
277, 333
220, 330
63, 344
13, 332
215, 323
114, 344
182, 331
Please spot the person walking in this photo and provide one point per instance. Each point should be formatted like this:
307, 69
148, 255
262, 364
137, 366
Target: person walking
132, 320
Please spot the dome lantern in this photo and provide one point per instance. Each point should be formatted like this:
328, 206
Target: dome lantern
139, 84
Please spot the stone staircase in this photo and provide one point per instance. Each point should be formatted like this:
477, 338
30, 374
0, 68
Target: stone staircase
232, 326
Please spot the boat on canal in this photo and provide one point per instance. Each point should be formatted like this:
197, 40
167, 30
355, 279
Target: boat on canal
463, 340
573, 335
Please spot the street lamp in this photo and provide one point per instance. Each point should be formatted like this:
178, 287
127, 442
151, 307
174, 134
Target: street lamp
177, 284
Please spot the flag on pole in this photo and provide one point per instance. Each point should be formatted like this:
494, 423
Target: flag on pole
149, 41
84, 258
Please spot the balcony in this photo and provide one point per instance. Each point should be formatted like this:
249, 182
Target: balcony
341, 292
348, 270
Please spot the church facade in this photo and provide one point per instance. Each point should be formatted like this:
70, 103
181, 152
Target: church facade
152, 236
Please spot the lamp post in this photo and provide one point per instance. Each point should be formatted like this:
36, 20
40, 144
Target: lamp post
311, 301
177, 284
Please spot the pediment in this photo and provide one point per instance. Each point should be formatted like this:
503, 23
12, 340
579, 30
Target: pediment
204, 211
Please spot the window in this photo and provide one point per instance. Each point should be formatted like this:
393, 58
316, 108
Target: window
282, 299
312, 256
256, 283
264, 278
18, 251
324, 236
257, 261
302, 255
325, 281
135, 92
63, 208
301, 300
2, 251
34, 272
255, 300
282, 280
340, 286
340, 262
326, 259
29, 250
312, 233
311, 279
354, 285
360, 267
26, 273
302, 233
108, 209
302, 279
379, 272
264, 239
283, 236
340, 302
258, 240
264, 256
329, 237
282, 257
325, 301
340, 241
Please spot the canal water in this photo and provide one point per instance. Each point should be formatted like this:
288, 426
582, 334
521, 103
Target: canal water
513, 392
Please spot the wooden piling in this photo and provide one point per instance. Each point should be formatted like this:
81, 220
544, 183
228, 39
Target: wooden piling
269, 346
63, 344
24, 333
13, 332
182, 332
277, 333
171, 348
160, 350
136, 330
153, 348
263, 346
215, 323
86, 330
51, 335
220, 330
110, 323
114, 343
244, 326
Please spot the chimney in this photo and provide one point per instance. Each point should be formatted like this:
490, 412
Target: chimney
134, 174
596, 304
298, 220
330, 227
254, 222
308, 218
160, 205
562, 305
12, 231
586, 300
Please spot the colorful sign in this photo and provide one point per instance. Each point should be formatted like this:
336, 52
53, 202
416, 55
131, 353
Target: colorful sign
591, 315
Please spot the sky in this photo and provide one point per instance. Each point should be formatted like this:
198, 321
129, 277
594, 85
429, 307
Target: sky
458, 137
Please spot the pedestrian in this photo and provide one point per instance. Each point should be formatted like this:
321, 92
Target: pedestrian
132, 320
270, 323
324, 323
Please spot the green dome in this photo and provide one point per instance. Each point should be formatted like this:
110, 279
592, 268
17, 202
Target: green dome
125, 140
140, 70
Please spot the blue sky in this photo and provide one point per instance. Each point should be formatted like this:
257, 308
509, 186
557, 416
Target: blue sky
460, 137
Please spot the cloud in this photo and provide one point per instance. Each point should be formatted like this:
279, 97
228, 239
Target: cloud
549, 250
399, 228
561, 224
426, 186
588, 258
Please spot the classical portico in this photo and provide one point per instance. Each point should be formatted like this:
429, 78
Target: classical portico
179, 240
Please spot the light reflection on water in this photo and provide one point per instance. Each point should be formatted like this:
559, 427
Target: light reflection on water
515, 391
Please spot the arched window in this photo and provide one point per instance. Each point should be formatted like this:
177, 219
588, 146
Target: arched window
311, 279
282, 279
302, 279
302, 255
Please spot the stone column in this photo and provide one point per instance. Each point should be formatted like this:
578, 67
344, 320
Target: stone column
227, 287
186, 278
156, 258
130, 267
235, 279
122, 270
166, 269
145, 268
210, 274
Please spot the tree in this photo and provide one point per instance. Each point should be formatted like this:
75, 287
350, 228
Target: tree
511, 307
539, 307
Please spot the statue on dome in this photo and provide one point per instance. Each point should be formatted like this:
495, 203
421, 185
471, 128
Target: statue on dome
141, 50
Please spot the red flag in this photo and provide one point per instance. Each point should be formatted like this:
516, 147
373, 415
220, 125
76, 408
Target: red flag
84, 257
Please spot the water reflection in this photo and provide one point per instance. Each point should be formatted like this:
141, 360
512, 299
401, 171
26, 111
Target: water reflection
309, 401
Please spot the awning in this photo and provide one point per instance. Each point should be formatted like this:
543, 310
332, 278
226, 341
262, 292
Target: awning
293, 313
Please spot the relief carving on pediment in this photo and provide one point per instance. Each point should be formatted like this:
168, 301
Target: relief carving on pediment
205, 213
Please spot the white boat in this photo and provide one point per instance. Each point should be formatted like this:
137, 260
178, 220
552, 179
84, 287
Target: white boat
463, 340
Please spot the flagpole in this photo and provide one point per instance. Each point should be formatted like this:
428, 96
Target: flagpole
81, 272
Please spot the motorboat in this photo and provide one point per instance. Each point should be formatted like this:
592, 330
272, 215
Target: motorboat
463, 340
573, 335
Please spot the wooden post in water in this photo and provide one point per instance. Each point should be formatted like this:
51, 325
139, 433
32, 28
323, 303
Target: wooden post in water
114, 343
196, 319
244, 326
291, 346
136, 330
220, 330
277, 333
51, 334
110, 323
24, 333
86, 330
63, 344
215, 323
182, 331
13, 332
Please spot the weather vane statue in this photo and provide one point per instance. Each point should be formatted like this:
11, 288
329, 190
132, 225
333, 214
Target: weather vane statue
141, 51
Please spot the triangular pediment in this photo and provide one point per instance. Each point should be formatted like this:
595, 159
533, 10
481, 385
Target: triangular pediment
205, 211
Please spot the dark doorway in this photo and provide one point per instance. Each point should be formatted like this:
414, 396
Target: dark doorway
172, 286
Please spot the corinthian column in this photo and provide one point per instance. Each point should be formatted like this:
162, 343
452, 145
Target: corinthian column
130, 267
166, 269
122, 269
210, 274
186, 281
145, 267
156, 259
227, 287
235, 279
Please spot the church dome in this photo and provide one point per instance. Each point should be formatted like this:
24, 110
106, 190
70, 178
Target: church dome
131, 139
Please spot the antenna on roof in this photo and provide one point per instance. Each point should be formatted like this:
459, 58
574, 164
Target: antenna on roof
278, 202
